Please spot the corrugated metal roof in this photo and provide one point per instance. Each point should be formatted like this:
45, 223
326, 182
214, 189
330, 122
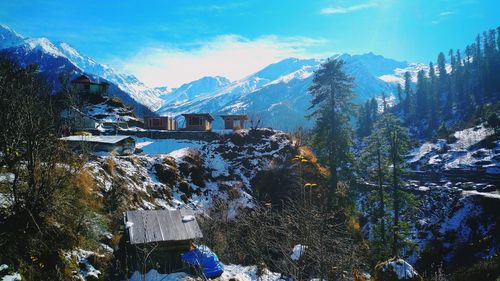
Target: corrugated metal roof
204, 115
97, 139
161, 225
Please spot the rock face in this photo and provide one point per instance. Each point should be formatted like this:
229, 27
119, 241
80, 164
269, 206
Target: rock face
396, 269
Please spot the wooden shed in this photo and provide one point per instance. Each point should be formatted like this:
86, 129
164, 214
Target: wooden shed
234, 122
75, 120
198, 122
160, 123
162, 235
121, 145
84, 84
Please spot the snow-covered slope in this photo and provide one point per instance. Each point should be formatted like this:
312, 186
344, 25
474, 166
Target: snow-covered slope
278, 93
9, 38
197, 173
129, 84
472, 149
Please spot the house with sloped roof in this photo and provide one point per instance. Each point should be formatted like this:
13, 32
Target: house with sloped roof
161, 235
198, 122
83, 84
121, 145
234, 122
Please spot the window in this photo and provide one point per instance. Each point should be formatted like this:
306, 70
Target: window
195, 121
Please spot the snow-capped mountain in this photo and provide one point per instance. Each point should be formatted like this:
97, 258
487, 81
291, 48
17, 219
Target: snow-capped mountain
137, 91
9, 38
194, 89
278, 93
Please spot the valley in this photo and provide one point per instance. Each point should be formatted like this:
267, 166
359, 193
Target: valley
346, 166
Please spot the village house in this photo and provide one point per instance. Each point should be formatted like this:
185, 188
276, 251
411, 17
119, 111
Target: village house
121, 145
234, 122
83, 84
163, 234
74, 120
198, 122
160, 123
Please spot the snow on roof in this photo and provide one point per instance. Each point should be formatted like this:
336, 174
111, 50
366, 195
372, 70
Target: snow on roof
97, 139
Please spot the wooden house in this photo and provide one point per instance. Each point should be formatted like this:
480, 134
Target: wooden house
160, 123
75, 120
83, 84
161, 234
198, 122
234, 122
121, 145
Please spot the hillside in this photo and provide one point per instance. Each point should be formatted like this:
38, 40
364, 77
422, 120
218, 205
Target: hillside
193, 173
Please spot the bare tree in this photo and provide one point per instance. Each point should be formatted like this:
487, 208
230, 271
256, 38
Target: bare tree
255, 121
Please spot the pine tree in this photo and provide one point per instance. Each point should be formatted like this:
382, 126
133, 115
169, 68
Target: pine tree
332, 106
477, 64
398, 143
374, 162
400, 95
433, 98
382, 160
443, 82
361, 124
421, 96
452, 78
459, 85
384, 102
498, 38
373, 112
408, 93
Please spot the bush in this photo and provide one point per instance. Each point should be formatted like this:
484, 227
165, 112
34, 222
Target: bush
486, 270
115, 102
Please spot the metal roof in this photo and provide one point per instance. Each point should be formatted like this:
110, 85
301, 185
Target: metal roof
96, 139
82, 79
161, 225
204, 115
238, 116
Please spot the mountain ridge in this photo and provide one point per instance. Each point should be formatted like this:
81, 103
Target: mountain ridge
139, 92
277, 92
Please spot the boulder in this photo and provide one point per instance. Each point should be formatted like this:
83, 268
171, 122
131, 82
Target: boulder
396, 269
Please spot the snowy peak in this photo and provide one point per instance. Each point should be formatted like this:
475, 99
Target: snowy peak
278, 92
284, 67
195, 89
379, 65
128, 83
44, 45
9, 38
68, 50
206, 84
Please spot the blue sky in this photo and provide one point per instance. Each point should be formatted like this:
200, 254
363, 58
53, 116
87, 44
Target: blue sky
170, 42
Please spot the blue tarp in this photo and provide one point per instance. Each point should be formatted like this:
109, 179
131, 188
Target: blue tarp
204, 258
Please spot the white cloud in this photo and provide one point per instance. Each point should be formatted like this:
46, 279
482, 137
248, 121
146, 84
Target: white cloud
347, 9
446, 13
231, 56
442, 16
